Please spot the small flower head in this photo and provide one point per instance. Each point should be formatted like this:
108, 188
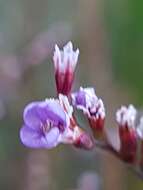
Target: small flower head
44, 122
48, 123
87, 101
125, 118
65, 62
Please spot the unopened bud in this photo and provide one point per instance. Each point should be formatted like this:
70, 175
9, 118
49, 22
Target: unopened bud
65, 62
127, 132
83, 140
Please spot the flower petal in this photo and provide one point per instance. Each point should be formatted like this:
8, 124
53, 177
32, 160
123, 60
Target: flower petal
52, 137
34, 115
34, 139
56, 113
37, 113
79, 98
31, 138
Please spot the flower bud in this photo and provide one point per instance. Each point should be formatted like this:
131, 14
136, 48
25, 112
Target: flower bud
83, 140
125, 118
65, 62
73, 134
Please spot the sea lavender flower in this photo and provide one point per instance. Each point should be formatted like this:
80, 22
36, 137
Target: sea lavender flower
86, 100
65, 62
48, 123
44, 122
125, 118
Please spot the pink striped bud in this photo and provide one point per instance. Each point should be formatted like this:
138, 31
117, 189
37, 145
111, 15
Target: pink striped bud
125, 118
65, 63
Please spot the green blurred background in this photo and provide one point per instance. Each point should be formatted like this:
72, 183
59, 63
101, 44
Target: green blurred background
109, 35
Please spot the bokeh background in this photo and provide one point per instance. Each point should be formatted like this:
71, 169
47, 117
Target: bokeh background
109, 34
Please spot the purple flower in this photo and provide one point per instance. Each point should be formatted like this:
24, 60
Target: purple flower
44, 123
65, 62
50, 122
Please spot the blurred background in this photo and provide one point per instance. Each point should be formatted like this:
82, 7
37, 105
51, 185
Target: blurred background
109, 35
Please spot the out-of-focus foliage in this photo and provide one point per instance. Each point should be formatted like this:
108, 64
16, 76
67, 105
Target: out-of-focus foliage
125, 36
124, 21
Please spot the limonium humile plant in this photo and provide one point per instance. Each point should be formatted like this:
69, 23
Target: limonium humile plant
50, 122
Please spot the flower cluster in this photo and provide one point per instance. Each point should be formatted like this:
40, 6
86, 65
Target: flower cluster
86, 100
50, 122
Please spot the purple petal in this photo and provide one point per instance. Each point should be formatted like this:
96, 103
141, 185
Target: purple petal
33, 139
52, 137
31, 116
80, 98
56, 113
37, 113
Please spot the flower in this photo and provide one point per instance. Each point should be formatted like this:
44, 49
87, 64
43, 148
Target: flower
44, 122
86, 100
126, 117
65, 62
48, 123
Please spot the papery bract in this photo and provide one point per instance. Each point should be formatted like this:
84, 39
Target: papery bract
65, 62
125, 118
